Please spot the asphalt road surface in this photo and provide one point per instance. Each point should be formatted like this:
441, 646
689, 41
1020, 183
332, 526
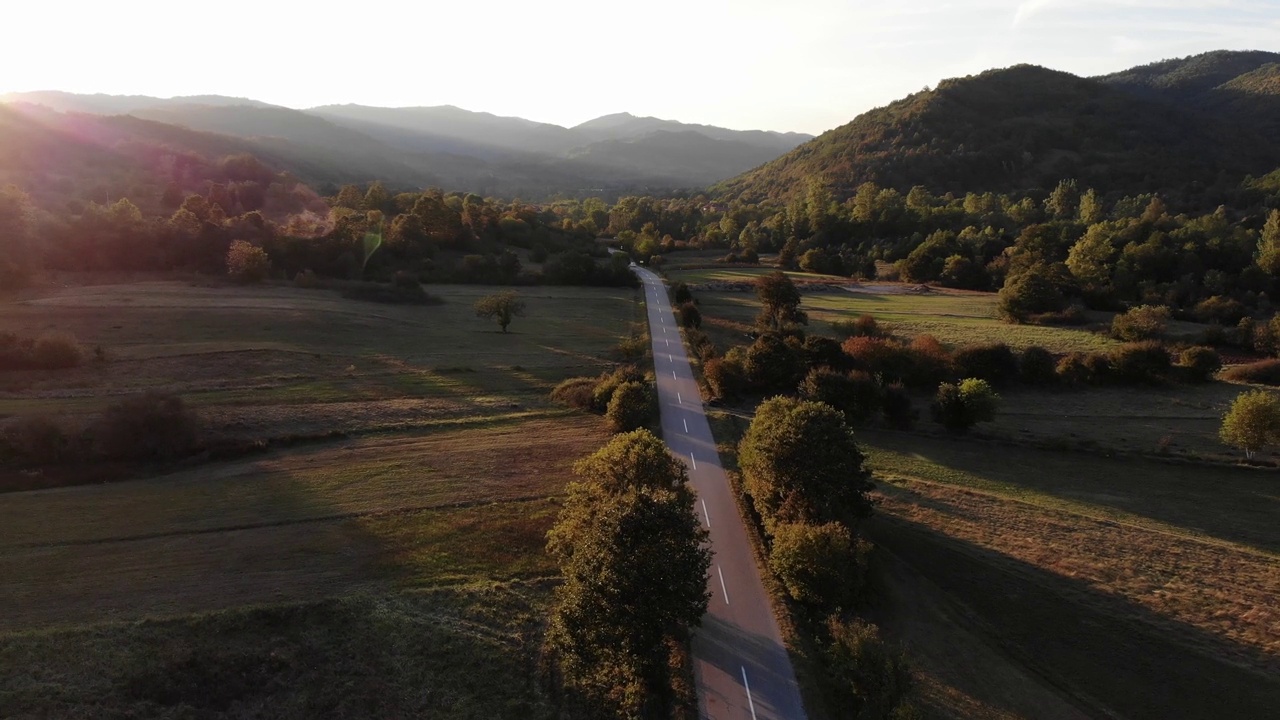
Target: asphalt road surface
740, 665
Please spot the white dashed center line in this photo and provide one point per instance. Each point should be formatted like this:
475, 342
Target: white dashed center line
723, 589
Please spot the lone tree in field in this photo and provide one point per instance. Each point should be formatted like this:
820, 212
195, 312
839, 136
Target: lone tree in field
1252, 423
801, 464
503, 307
247, 262
632, 554
779, 302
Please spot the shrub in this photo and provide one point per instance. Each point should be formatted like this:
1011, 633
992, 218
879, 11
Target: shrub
575, 392
771, 364
1220, 310
861, 326
602, 393
247, 263
1036, 366
153, 426
959, 407
822, 351
725, 377
928, 363
56, 351
821, 565
1263, 372
50, 351
1085, 369
35, 440
633, 348
307, 280
856, 395
405, 280
389, 294
1141, 362
994, 363
899, 411
871, 679
631, 407
1199, 363
1141, 323
688, 316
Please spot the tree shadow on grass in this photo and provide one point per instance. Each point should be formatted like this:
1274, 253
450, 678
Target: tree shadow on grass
1110, 654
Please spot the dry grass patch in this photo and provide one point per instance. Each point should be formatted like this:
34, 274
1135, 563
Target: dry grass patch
1227, 593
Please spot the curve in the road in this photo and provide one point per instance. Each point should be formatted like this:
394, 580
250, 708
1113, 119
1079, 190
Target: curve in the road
741, 667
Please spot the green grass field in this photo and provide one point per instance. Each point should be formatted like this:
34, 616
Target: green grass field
396, 572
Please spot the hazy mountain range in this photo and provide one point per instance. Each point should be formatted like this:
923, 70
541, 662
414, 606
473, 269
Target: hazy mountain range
1181, 124
451, 147
1186, 125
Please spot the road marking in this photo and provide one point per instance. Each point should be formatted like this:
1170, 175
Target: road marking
747, 685
679, 400
695, 462
723, 589
706, 515
686, 424
668, 342
673, 375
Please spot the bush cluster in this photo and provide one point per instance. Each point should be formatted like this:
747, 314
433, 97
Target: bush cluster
154, 426
625, 397
49, 351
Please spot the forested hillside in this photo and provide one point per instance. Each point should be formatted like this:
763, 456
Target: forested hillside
1177, 128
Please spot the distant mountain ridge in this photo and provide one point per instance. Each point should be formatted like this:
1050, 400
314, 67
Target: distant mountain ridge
456, 148
1186, 123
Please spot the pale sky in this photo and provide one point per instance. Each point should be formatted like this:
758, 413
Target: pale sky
806, 65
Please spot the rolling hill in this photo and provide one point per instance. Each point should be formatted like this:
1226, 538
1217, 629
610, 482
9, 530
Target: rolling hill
1028, 127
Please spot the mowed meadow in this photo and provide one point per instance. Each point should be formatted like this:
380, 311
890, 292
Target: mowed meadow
1090, 553
406, 466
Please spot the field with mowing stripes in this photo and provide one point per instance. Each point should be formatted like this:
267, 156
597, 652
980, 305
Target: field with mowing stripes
307, 580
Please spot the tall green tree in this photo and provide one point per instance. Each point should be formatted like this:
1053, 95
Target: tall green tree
801, 464
635, 565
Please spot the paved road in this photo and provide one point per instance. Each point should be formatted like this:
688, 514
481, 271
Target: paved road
740, 665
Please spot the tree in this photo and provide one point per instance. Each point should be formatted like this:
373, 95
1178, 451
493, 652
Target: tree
823, 565
1269, 244
1252, 423
801, 464
725, 376
689, 316
1030, 293
779, 302
631, 406
960, 407
680, 293
16, 259
635, 565
247, 263
871, 679
771, 364
503, 307
1062, 203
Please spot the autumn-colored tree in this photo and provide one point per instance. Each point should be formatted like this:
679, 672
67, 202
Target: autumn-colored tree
247, 263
